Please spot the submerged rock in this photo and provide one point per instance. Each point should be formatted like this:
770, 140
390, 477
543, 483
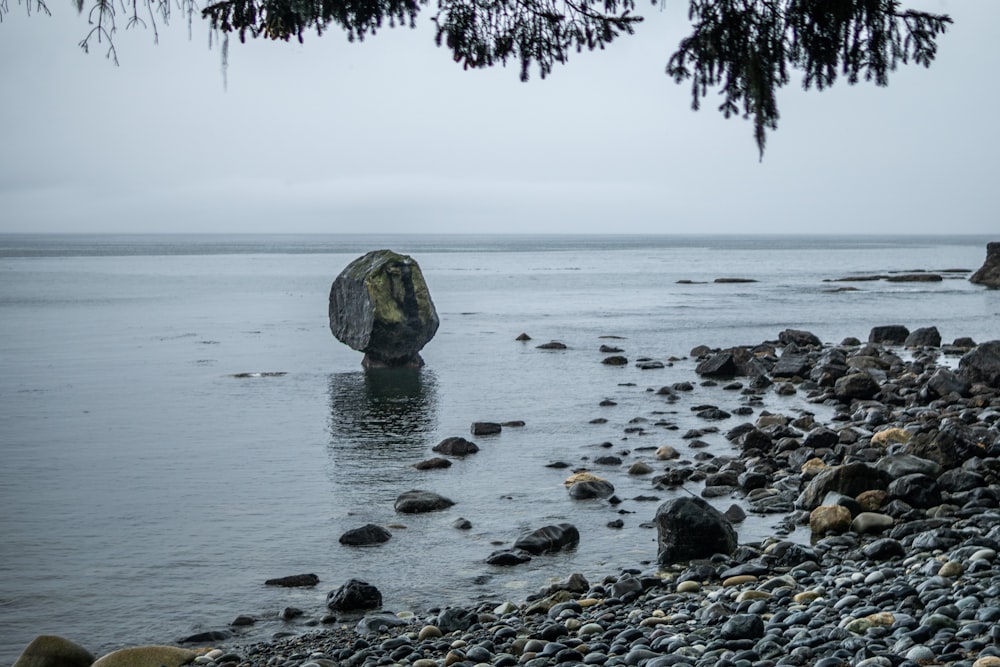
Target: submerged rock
380, 305
294, 581
417, 501
549, 539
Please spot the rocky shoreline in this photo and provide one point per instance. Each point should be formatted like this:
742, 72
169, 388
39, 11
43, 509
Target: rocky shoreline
900, 490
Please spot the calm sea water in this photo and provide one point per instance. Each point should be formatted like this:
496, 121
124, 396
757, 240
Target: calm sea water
146, 493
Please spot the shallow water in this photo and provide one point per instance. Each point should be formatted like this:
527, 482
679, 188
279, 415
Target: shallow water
147, 492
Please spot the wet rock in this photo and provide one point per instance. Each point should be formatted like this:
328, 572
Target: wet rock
689, 528
355, 595
549, 539
945, 382
456, 446
855, 386
380, 305
799, 338
552, 345
590, 489
615, 360
147, 656
418, 501
792, 365
202, 638
989, 273
53, 651
721, 364
916, 490
850, 480
924, 337
508, 557
455, 619
829, 519
295, 580
486, 428
892, 334
982, 364
743, 626
436, 463
366, 535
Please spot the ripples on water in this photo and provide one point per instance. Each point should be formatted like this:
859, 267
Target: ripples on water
147, 492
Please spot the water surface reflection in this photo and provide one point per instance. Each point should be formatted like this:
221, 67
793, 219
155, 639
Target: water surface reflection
380, 418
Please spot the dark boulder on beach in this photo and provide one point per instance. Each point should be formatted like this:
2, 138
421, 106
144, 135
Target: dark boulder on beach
688, 528
982, 364
923, 337
792, 364
355, 595
294, 581
850, 480
366, 535
856, 386
720, 364
417, 501
989, 273
549, 539
380, 305
891, 334
799, 338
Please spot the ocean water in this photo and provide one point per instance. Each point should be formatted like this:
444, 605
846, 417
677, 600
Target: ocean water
147, 492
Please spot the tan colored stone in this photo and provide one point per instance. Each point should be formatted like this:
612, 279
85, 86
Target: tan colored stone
987, 661
689, 586
952, 570
739, 580
639, 468
429, 632
576, 478
53, 651
871, 500
667, 453
813, 467
829, 519
889, 436
147, 656
752, 594
805, 597
860, 626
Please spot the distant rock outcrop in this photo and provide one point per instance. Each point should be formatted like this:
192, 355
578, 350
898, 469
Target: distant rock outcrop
989, 273
380, 305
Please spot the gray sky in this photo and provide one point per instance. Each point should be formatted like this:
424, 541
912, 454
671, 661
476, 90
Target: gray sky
390, 135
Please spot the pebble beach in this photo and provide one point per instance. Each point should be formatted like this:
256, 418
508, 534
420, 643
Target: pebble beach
899, 490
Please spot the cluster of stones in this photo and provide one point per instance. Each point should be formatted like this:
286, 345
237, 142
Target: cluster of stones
934, 598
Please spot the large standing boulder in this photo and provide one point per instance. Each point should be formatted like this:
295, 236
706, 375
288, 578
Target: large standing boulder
689, 528
989, 272
380, 305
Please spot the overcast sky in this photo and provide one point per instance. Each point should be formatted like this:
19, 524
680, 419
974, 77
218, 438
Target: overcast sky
390, 135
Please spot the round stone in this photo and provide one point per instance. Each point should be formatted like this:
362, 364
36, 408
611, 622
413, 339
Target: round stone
689, 586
